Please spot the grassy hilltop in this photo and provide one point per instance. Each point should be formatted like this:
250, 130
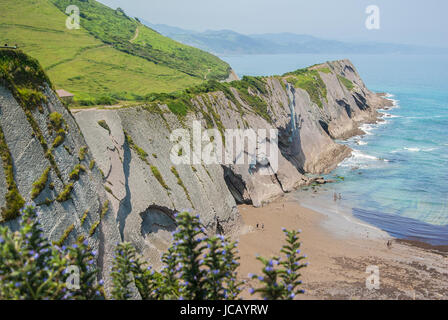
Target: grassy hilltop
112, 55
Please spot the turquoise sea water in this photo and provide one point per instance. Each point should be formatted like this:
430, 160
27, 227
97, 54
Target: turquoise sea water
397, 177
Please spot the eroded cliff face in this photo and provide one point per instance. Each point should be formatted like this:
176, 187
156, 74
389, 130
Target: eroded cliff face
132, 148
71, 200
307, 122
145, 188
107, 176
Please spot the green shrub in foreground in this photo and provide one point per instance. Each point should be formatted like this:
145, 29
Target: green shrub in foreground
280, 279
195, 267
201, 267
31, 268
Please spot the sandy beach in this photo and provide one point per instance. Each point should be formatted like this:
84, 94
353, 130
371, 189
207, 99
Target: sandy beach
339, 250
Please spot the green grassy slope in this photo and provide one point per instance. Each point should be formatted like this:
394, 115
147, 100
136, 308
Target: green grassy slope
95, 60
117, 29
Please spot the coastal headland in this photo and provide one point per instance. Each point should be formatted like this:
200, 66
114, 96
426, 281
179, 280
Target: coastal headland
105, 175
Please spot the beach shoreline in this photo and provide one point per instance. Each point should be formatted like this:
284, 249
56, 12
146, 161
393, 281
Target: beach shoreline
338, 251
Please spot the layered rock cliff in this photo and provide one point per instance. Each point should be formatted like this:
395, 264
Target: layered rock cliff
144, 187
107, 175
46, 161
309, 108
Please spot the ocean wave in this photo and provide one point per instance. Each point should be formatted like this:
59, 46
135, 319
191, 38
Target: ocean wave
388, 115
360, 155
416, 149
412, 149
427, 117
367, 128
395, 104
361, 160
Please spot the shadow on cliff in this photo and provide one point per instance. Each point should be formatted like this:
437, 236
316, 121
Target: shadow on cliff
236, 186
125, 207
157, 218
289, 141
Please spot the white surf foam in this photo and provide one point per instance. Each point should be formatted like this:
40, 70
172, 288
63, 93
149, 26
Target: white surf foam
360, 155
367, 128
388, 115
360, 159
395, 102
414, 149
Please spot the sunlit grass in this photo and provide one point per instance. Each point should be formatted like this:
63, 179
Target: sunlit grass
80, 63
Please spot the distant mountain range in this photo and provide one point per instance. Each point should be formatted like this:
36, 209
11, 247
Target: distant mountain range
230, 42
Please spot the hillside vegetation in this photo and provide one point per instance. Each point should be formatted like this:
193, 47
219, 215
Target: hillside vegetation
106, 57
116, 28
309, 80
249, 89
24, 77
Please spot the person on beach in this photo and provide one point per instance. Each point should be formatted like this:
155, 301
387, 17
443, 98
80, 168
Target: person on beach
389, 244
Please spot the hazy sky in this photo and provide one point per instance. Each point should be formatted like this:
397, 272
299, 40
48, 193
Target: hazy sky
401, 21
